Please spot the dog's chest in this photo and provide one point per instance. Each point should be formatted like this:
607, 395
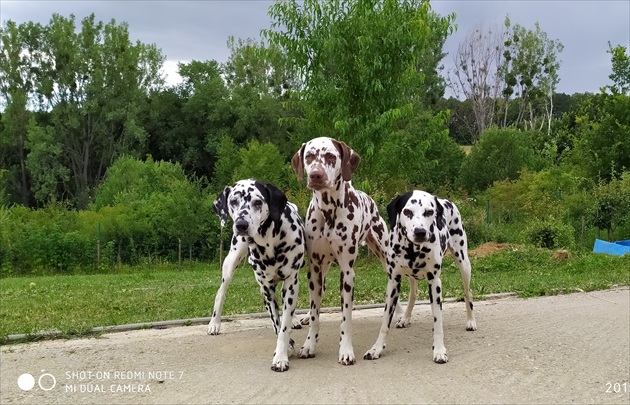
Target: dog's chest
418, 259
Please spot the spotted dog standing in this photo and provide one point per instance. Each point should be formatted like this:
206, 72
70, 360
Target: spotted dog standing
270, 231
338, 220
422, 228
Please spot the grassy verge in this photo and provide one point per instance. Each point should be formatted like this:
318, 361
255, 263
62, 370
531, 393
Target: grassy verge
74, 304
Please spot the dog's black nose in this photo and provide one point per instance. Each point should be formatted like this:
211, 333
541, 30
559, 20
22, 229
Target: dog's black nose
420, 234
241, 226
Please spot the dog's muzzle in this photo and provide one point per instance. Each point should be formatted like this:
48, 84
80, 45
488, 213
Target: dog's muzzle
317, 179
241, 226
420, 235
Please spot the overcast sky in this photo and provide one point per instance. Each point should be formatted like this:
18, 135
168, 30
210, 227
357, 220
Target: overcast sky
187, 30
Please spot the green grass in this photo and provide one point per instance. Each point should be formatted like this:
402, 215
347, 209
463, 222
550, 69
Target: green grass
74, 304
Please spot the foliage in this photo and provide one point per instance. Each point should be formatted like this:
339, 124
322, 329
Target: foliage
360, 63
612, 200
90, 82
603, 134
550, 234
500, 154
530, 71
262, 162
426, 157
620, 75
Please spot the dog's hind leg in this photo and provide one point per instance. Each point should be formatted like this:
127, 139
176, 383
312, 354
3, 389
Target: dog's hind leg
284, 343
316, 279
405, 319
459, 247
238, 251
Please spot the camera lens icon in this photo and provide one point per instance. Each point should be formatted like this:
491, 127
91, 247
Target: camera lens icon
46, 382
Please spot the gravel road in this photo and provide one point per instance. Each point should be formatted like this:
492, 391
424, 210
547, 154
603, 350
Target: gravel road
563, 349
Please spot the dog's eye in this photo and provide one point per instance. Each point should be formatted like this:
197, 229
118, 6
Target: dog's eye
428, 213
234, 202
330, 158
408, 213
309, 157
257, 203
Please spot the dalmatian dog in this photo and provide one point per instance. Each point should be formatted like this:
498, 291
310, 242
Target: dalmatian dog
423, 227
269, 230
338, 220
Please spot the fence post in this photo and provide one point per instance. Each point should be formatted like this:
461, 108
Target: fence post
179, 254
98, 247
487, 211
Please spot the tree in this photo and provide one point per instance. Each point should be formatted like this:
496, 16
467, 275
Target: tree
20, 61
620, 75
476, 74
87, 86
500, 154
530, 72
358, 63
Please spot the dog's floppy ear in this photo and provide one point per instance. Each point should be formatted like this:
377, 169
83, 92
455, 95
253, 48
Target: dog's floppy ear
297, 163
220, 205
439, 214
349, 159
396, 206
275, 198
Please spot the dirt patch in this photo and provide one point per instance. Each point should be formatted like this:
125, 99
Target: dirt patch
489, 248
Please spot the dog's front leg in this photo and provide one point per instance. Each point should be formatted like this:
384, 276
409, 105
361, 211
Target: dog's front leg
346, 351
435, 297
238, 251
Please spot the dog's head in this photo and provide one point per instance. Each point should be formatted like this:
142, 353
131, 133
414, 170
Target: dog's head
250, 204
417, 215
326, 162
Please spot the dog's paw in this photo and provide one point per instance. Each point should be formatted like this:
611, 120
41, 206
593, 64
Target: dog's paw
440, 356
372, 354
291, 346
305, 320
471, 325
280, 365
214, 328
296, 323
306, 352
403, 322
346, 358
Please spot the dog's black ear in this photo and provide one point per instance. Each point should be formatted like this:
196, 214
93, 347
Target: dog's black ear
396, 206
276, 199
220, 205
297, 163
440, 221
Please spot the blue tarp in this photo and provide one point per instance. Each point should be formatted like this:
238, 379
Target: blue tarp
618, 248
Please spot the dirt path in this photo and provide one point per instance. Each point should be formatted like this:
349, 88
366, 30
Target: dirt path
563, 349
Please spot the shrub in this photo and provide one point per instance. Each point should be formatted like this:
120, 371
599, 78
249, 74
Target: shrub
500, 154
550, 234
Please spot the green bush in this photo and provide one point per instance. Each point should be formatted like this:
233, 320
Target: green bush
550, 234
500, 154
